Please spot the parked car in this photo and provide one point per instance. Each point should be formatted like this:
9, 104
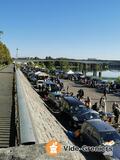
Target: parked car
47, 88
32, 79
76, 111
54, 99
97, 132
50, 86
39, 83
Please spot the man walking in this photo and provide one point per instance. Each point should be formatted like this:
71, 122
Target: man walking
116, 111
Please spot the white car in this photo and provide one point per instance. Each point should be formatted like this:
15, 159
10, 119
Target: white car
39, 83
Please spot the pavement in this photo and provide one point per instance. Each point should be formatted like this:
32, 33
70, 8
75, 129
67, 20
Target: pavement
92, 93
6, 87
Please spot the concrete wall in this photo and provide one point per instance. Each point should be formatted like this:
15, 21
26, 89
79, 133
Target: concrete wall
45, 125
34, 152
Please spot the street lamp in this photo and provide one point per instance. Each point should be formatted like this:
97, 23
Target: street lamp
17, 53
1, 33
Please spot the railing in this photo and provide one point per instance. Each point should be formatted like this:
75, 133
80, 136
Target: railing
26, 133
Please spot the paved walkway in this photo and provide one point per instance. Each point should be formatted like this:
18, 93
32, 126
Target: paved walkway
6, 86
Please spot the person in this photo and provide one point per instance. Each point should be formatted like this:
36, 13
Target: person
71, 93
80, 93
67, 89
110, 117
81, 99
116, 111
102, 114
73, 136
114, 87
95, 107
61, 85
40, 87
102, 104
113, 106
88, 102
105, 92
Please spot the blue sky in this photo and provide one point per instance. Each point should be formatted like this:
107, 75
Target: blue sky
62, 28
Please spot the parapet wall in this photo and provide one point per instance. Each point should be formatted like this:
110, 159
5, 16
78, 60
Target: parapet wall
35, 152
45, 125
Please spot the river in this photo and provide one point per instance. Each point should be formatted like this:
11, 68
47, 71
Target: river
108, 74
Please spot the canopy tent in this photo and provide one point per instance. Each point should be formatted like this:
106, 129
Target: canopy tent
70, 72
36, 67
38, 72
43, 74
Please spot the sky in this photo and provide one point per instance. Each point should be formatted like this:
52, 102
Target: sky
61, 28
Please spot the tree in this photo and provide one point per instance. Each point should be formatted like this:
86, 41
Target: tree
49, 57
64, 65
36, 58
40, 64
5, 57
118, 80
76, 66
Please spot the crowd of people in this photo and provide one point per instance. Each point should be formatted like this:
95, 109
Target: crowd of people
101, 106
97, 106
104, 86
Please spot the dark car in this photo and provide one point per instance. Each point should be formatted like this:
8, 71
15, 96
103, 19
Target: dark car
76, 111
54, 99
50, 86
47, 88
97, 132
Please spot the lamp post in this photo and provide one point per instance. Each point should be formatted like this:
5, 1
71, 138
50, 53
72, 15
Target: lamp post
17, 53
1, 33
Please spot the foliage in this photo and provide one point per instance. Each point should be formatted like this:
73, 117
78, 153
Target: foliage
50, 65
118, 80
49, 57
1, 32
40, 64
64, 65
31, 63
36, 58
5, 57
61, 64
105, 67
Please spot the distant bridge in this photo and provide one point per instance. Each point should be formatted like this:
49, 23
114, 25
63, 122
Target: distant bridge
111, 63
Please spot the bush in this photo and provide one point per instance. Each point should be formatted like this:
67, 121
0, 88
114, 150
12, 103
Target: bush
118, 80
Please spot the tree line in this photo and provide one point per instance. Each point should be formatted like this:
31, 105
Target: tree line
65, 64
5, 57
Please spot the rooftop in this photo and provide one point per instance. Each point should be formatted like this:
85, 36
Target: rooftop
100, 125
72, 100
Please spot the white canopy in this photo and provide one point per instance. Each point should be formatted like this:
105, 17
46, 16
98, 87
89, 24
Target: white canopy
70, 72
36, 67
43, 74
39, 72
